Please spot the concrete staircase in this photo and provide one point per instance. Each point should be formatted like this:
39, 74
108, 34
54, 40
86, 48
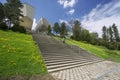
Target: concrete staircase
59, 56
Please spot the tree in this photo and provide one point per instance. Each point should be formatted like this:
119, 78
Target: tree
76, 30
3, 25
116, 33
2, 15
111, 34
94, 38
13, 12
71, 23
63, 30
49, 30
56, 28
85, 35
104, 35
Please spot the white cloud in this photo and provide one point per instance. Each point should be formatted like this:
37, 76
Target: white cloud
34, 24
71, 11
65, 21
106, 14
67, 3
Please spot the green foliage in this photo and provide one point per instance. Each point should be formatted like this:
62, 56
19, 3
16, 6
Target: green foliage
3, 26
19, 55
17, 28
111, 34
76, 30
56, 28
99, 51
13, 11
112, 46
116, 33
104, 36
49, 30
2, 15
85, 36
10, 14
118, 45
63, 30
111, 37
94, 38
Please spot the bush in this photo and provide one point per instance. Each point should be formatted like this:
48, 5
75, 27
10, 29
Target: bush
112, 46
3, 26
111, 52
18, 28
118, 46
71, 37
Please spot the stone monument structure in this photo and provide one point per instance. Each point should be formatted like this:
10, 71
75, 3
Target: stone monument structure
42, 25
28, 13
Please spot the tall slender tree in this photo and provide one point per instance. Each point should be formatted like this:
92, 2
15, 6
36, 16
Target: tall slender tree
111, 34
13, 11
107, 35
49, 30
63, 30
116, 33
104, 35
76, 30
56, 28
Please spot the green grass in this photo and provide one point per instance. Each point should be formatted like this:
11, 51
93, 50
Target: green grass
19, 55
99, 51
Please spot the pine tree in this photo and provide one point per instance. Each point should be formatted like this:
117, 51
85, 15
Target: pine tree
13, 11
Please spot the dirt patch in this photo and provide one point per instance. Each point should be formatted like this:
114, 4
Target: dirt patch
34, 77
42, 77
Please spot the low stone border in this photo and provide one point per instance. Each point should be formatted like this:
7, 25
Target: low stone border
34, 77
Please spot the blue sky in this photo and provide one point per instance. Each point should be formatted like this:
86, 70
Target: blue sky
54, 11
93, 14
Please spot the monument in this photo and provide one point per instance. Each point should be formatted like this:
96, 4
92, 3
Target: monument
28, 13
42, 25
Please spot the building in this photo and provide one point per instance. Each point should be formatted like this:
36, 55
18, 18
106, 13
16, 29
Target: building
42, 25
28, 13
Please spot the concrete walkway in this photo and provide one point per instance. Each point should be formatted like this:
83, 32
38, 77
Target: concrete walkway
90, 72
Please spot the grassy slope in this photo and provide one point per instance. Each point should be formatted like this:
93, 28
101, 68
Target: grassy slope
19, 55
99, 51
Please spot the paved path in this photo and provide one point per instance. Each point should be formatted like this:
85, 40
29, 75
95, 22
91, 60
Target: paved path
90, 72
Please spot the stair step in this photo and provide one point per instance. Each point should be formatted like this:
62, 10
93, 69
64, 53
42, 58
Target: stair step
71, 66
59, 56
59, 60
65, 57
66, 62
69, 56
62, 58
